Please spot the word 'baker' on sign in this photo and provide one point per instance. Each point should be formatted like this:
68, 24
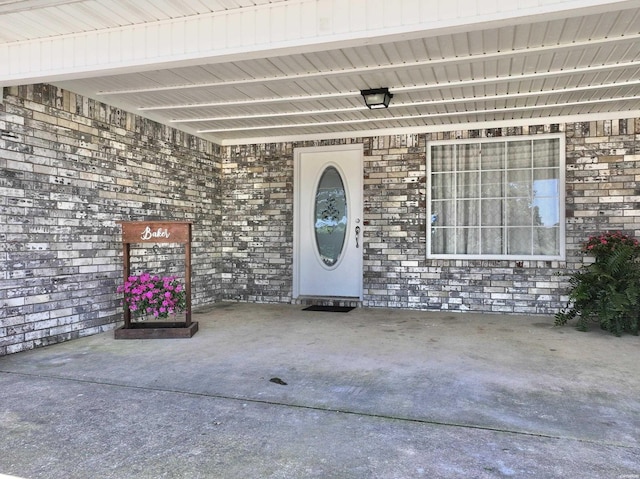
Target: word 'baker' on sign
148, 233
155, 232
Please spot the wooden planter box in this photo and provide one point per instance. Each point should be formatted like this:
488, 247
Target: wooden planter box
157, 232
157, 330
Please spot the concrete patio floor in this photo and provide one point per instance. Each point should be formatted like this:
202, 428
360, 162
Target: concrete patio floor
373, 393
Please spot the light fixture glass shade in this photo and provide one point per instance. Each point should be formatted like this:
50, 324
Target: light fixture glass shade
377, 98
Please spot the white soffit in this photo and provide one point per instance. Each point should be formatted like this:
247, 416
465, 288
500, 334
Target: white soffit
253, 71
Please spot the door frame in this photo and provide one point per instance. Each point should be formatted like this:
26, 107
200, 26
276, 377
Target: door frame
297, 198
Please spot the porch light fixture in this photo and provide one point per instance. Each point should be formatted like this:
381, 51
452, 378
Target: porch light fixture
377, 98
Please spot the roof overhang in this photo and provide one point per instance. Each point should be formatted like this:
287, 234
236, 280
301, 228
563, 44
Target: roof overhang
242, 71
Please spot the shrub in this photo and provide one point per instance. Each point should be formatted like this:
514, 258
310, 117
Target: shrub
607, 290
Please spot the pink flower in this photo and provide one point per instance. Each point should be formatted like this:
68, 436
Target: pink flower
154, 295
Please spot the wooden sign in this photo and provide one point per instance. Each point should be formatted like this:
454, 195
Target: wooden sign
155, 231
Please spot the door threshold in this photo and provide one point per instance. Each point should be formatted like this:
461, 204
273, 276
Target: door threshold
349, 301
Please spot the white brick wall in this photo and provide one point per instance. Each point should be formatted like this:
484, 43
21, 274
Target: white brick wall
397, 273
69, 168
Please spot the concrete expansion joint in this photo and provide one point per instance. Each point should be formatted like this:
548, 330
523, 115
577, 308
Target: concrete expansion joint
293, 405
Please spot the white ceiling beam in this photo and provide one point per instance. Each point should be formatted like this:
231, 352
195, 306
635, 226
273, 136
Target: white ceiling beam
282, 99
400, 89
395, 105
15, 6
251, 32
382, 68
425, 116
522, 77
423, 129
272, 115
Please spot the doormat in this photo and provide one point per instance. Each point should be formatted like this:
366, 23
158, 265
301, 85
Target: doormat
329, 309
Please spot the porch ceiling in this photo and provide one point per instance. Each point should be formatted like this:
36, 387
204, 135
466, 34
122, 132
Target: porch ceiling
532, 61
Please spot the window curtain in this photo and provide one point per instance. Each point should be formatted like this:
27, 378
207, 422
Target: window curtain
519, 200
467, 178
546, 193
442, 192
496, 198
492, 165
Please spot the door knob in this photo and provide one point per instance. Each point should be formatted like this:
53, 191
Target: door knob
357, 236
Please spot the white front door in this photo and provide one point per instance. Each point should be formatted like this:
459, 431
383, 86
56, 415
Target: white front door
328, 227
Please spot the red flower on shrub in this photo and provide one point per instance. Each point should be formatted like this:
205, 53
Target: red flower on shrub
604, 244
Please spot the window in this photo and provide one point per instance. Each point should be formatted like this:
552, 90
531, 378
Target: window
496, 198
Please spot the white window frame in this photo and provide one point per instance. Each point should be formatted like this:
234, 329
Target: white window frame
504, 139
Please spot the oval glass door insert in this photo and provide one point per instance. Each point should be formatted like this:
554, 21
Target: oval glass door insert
330, 216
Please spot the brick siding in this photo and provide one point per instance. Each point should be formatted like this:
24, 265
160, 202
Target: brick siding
70, 167
601, 164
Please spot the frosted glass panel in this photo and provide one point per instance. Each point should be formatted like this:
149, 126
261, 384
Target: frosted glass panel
330, 216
